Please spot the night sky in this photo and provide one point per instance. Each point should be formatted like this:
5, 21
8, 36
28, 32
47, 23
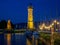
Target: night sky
16, 10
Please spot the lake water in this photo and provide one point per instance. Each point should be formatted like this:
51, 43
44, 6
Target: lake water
13, 39
21, 38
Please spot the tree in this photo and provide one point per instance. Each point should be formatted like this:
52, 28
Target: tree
3, 24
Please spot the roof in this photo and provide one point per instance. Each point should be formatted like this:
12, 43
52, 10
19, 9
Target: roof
30, 6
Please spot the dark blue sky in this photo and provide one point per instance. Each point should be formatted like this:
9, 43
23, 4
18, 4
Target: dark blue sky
16, 10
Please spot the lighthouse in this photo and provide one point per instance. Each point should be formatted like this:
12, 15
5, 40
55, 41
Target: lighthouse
30, 24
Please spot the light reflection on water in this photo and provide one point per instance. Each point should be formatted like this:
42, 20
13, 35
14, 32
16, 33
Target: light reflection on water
13, 39
8, 38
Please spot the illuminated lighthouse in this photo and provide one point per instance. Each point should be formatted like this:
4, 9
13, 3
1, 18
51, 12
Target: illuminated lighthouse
30, 17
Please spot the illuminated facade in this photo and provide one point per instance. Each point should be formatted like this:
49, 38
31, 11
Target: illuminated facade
8, 24
30, 24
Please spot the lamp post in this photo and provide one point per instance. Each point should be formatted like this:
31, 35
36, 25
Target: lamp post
56, 24
32, 39
52, 36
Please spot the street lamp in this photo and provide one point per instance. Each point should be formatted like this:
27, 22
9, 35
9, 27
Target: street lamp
55, 21
58, 23
52, 36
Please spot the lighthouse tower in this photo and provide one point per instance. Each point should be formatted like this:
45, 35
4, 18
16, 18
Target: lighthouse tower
30, 17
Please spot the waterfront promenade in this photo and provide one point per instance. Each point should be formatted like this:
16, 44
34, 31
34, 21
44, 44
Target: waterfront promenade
22, 36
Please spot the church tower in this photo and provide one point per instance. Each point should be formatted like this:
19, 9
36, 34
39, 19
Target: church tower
30, 17
8, 24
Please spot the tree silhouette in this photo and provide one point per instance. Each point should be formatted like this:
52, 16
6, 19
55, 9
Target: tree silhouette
12, 25
3, 24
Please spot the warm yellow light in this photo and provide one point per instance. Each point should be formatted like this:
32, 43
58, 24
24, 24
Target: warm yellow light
30, 18
58, 23
47, 27
41, 28
8, 24
43, 25
8, 39
52, 24
55, 21
30, 25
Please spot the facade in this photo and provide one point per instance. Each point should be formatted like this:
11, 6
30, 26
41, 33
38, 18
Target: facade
9, 25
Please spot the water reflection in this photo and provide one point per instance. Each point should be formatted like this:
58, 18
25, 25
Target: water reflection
8, 38
13, 39
1, 39
20, 39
